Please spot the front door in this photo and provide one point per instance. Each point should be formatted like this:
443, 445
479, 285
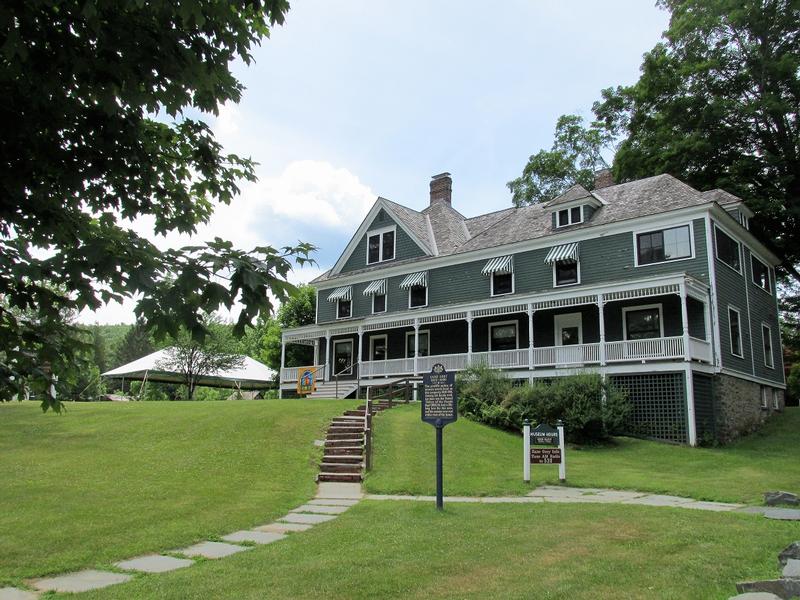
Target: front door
568, 329
343, 357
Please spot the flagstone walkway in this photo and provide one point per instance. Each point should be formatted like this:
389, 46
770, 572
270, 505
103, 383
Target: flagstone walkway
335, 498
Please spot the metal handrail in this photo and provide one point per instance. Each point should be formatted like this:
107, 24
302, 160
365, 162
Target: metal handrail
347, 368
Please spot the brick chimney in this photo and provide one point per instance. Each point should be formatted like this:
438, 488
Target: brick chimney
603, 178
441, 188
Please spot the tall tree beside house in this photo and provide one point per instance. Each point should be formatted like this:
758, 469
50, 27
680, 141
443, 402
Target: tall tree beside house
717, 105
195, 359
576, 155
297, 311
99, 349
135, 344
81, 150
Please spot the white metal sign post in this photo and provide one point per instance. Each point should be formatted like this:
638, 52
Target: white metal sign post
526, 454
562, 466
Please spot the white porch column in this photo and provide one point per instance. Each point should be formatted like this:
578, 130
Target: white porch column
692, 426
283, 362
687, 351
601, 313
327, 356
469, 338
316, 352
416, 345
530, 337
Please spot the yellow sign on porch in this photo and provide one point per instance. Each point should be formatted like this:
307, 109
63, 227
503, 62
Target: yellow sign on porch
306, 380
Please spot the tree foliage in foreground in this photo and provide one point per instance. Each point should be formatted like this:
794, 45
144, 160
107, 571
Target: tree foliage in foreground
98, 121
717, 105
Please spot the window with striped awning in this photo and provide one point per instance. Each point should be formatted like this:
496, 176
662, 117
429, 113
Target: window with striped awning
340, 293
376, 288
500, 264
563, 253
415, 279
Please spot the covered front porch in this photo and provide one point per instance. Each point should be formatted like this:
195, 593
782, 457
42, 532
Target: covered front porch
624, 324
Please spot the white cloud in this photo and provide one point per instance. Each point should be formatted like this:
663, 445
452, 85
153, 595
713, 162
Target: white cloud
314, 191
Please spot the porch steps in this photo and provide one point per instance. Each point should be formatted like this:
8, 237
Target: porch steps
343, 454
328, 390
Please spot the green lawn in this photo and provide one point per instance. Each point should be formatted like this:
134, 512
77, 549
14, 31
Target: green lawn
479, 460
104, 482
408, 550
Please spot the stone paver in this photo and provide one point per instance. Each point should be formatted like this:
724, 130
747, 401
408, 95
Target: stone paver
782, 514
320, 509
755, 596
212, 550
12, 593
512, 500
306, 518
257, 537
712, 506
792, 569
154, 563
284, 527
332, 489
660, 500
552, 491
319, 443
333, 501
81, 581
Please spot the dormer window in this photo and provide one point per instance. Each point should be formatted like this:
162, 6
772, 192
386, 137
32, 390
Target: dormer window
569, 216
380, 245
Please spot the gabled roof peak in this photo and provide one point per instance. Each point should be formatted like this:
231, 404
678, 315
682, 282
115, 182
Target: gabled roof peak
575, 192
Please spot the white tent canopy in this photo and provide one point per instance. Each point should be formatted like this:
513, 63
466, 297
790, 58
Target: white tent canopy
252, 375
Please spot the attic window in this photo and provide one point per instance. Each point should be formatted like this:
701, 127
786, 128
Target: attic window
380, 245
569, 216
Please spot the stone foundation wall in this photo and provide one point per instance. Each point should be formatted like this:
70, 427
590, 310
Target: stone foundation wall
738, 407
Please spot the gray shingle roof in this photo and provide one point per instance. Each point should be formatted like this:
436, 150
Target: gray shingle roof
455, 234
576, 192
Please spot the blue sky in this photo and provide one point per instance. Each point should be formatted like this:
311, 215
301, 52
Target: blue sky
356, 99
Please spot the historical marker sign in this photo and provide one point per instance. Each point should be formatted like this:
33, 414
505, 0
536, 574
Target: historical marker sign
544, 435
546, 456
439, 403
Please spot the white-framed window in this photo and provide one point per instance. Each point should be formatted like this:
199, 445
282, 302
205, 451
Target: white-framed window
735, 331
381, 244
664, 245
568, 329
766, 335
502, 283
728, 250
569, 216
417, 296
776, 399
424, 343
764, 396
643, 322
344, 309
566, 272
378, 303
761, 274
503, 336
378, 347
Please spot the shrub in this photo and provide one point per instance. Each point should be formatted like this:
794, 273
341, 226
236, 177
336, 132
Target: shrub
480, 387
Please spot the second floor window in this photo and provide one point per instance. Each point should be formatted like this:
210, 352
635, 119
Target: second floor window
417, 296
380, 246
728, 250
735, 330
343, 308
379, 303
663, 245
566, 272
761, 274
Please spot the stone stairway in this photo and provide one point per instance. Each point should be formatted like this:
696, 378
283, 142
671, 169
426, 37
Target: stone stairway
328, 389
343, 455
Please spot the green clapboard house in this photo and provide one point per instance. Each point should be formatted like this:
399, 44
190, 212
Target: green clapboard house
659, 287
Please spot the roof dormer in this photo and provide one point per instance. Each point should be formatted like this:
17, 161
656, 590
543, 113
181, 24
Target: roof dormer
575, 206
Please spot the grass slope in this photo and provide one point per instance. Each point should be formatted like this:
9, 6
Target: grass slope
479, 460
104, 482
408, 550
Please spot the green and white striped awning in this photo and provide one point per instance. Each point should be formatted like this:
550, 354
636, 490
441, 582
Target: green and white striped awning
563, 253
415, 279
501, 264
341, 293
376, 287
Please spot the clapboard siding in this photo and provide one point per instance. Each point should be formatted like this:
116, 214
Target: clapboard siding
405, 247
604, 259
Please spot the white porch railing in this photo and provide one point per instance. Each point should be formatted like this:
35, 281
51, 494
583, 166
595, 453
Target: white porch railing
393, 366
451, 362
628, 350
577, 354
291, 373
502, 359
